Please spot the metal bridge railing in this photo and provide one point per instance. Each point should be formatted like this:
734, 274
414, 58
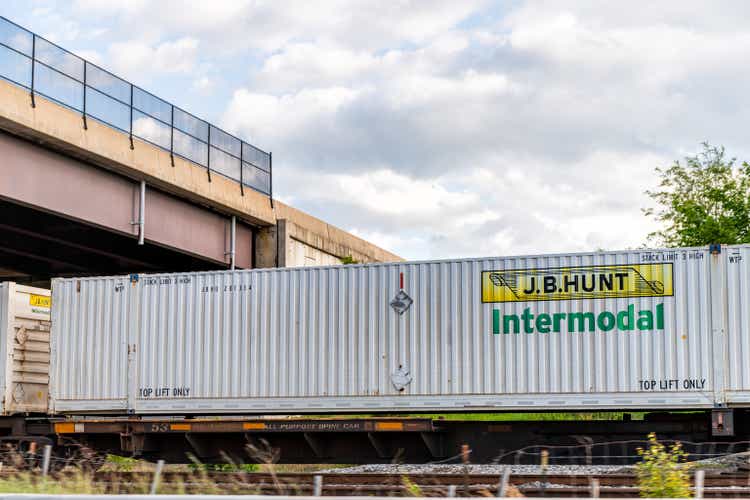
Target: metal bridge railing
43, 68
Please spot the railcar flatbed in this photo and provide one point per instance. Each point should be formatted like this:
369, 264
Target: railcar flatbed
358, 440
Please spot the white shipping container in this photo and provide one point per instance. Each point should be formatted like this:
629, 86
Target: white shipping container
604, 330
24, 348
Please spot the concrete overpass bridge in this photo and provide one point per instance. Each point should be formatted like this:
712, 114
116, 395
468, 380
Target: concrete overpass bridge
98, 176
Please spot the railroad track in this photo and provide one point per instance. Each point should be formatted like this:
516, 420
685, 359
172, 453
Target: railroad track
388, 484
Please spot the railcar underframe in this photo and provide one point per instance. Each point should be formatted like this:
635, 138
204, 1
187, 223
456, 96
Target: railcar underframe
376, 440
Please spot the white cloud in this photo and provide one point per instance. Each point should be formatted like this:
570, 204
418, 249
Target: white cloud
311, 65
100, 7
487, 210
230, 25
251, 113
137, 58
537, 134
203, 84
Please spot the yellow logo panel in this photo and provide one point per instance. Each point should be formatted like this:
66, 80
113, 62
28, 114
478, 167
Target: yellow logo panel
40, 300
571, 283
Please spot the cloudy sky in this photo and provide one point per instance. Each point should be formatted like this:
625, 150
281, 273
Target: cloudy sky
442, 128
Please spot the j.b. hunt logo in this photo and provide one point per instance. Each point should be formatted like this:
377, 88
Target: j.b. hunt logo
584, 282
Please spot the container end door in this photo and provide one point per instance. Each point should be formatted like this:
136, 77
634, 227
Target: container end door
27, 350
89, 341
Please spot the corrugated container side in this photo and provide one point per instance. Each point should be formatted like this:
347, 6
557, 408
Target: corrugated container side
736, 334
328, 339
90, 326
24, 348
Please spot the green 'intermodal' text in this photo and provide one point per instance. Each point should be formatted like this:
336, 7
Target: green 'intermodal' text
578, 322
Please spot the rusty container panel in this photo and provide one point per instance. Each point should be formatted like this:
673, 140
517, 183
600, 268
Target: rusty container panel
25, 347
602, 330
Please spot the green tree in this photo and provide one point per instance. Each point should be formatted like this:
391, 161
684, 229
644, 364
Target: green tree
702, 201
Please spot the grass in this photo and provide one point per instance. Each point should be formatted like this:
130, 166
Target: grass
28, 482
226, 467
298, 468
73, 480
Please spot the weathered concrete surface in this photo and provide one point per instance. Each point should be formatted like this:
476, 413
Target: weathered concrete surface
299, 254
319, 244
266, 247
61, 129
328, 238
